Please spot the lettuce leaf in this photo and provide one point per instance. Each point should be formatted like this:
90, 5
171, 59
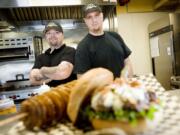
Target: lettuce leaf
128, 115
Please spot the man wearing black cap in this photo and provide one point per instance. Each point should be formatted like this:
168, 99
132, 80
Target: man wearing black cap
55, 66
100, 48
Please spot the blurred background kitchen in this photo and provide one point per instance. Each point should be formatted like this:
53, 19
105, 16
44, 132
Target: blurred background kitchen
150, 28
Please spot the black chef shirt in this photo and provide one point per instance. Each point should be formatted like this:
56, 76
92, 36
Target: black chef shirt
48, 59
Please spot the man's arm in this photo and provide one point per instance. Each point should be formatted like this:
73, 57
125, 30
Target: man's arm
36, 78
79, 75
60, 72
127, 70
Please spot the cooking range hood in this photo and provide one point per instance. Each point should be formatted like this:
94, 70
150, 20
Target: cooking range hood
39, 12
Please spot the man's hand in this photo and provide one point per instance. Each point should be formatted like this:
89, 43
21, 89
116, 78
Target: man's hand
127, 70
36, 77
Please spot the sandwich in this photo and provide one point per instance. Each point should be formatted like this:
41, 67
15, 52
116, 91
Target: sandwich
109, 103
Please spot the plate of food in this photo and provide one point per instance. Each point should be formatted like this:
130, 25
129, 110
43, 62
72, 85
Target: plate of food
98, 104
107, 103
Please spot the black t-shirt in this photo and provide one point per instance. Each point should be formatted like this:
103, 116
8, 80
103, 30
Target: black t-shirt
64, 53
107, 50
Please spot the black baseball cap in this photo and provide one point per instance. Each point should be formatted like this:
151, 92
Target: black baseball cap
91, 8
53, 25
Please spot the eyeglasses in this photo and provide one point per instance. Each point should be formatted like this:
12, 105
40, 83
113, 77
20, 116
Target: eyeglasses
52, 33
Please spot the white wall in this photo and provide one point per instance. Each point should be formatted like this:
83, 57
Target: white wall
133, 27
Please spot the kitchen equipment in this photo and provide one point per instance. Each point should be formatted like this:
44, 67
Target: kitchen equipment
16, 60
175, 82
33, 15
164, 35
17, 49
21, 93
19, 90
20, 48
